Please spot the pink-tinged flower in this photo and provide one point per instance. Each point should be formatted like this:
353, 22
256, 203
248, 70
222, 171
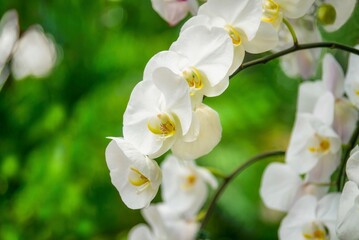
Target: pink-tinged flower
303, 63
136, 177
313, 142
311, 219
345, 114
174, 11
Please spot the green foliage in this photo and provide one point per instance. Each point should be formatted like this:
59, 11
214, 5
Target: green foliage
54, 182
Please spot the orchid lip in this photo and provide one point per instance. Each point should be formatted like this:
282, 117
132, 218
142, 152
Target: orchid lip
234, 34
270, 11
138, 179
162, 125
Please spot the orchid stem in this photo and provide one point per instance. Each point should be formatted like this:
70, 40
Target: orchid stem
295, 48
292, 32
229, 178
353, 140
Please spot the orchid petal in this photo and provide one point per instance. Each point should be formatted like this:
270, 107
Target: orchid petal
279, 186
210, 132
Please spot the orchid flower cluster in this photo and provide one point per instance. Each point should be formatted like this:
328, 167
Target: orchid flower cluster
325, 120
166, 112
32, 54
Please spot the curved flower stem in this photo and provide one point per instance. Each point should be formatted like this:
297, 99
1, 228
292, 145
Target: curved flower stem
291, 30
348, 148
295, 48
230, 177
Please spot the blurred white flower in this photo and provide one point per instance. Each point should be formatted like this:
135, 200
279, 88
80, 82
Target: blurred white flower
302, 63
352, 166
345, 114
205, 133
311, 219
282, 186
174, 11
201, 57
9, 34
157, 113
314, 142
333, 14
34, 54
352, 79
163, 226
136, 177
348, 213
184, 188
242, 21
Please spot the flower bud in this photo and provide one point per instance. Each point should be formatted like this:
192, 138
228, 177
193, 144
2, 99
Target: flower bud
326, 14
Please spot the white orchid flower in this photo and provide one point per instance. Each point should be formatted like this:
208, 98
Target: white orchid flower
348, 213
275, 10
311, 219
174, 11
241, 20
163, 226
201, 57
345, 114
313, 140
303, 63
157, 113
136, 177
9, 34
352, 166
352, 79
333, 14
34, 54
281, 186
205, 133
184, 188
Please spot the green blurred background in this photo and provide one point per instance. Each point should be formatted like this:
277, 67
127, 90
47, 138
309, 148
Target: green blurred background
54, 182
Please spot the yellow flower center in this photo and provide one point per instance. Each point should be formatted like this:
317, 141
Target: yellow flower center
162, 125
189, 181
193, 78
234, 34
322, 146
270, 11
357, 92
315, 231
136, 178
